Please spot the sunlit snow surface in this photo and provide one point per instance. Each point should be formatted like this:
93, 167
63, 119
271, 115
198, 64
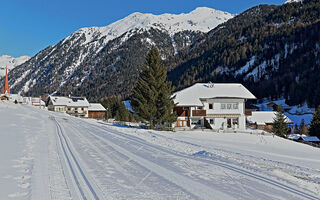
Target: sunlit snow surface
10, 62
46, 155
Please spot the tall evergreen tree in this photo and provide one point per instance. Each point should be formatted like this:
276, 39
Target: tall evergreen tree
296, 129
303, 128
280, 127
151, 99
315, 123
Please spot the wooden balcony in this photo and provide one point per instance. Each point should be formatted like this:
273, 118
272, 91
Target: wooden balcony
181, 112
199, 113
248, 112
73, 112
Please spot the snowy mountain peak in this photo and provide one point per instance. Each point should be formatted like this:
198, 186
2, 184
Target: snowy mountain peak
201, 19
11, 62
292, 1
73, 59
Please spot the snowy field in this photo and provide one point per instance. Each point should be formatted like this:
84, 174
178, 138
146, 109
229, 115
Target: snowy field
46, 155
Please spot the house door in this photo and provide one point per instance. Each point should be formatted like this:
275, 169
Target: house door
229, 122
180, 123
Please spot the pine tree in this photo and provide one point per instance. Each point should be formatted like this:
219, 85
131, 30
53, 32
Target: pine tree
296, 129
315, 123
151, 99
280, 127
303, 128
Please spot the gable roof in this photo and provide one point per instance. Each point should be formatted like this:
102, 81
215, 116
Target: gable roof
191, 96
264, 117
96, 107
69, 102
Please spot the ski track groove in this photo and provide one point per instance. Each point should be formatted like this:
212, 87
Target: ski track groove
66, 148
275, 184
197, 189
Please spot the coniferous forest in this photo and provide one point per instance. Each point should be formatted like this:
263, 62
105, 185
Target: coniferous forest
272, 50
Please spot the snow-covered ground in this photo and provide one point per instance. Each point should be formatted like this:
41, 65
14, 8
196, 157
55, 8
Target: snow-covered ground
46, 155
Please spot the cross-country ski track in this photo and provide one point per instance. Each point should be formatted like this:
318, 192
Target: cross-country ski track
67, 158
136, 150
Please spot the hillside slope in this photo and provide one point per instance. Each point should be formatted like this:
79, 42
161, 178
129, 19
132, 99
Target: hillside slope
105, 61
273, 50
10, 62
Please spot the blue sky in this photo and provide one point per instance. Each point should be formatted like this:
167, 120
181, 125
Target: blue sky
28, 26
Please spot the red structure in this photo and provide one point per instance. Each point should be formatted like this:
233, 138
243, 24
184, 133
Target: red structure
6, 84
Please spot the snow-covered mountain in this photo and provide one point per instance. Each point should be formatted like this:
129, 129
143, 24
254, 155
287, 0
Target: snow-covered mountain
201, 19
10, 62
291, 1
97, 56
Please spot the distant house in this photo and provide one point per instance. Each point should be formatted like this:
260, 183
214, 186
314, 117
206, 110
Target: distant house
35, 101
263, 120
274, 106
16, 98
311, 140
96, 111
76, 106
212, 105
4, 97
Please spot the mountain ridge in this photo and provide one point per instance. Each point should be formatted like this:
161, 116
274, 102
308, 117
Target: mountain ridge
11, 62
65, 67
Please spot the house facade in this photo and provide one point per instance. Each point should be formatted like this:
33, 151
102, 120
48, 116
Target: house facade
212, 105
76, 106
96, 111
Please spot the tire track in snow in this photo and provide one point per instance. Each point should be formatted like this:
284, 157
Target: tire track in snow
275, 184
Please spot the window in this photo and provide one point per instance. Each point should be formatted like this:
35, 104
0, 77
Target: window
229, 106
223, 106
211, 106
211, 121
199, 108
235, 106
195, 121
235, 121
185, 108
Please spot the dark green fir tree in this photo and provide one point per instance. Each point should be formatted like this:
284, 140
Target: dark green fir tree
152, 96
315, 123
280, 127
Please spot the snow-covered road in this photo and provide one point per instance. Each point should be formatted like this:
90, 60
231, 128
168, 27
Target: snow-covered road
62, 157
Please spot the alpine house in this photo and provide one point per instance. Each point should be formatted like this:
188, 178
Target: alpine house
217, 106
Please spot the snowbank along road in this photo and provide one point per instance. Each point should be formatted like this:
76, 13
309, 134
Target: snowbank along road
55, 156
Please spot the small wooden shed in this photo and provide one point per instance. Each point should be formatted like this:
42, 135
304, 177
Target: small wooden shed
96, 111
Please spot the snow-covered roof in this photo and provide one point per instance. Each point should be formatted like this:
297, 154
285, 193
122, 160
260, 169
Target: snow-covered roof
96, 107
191, 96
264, 117
303, 137
294, 136
70, 102
14, 97
310, 138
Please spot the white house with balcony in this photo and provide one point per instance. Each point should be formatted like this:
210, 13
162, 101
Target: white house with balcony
76, 106
217, 106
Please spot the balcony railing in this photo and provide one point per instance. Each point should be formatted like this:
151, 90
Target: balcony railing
199, 113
